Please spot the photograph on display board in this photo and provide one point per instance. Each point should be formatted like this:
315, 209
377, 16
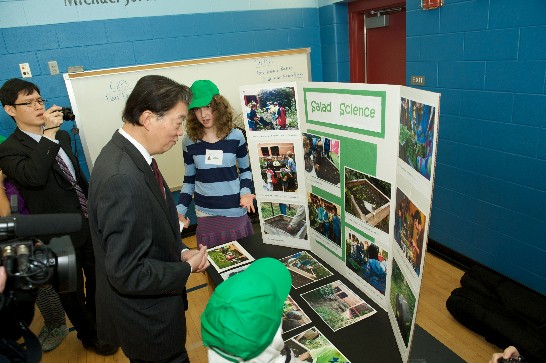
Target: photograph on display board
409, 230
235, 271
313, 347
337, 305
368, 198
402, 302
228, 255
278, 167
304, 269
293, 316
417, 135
325, 218
271, 109
367, 260
284, 219
321, 156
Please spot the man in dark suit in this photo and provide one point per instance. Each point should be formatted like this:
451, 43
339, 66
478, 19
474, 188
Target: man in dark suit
31, 157
142, 265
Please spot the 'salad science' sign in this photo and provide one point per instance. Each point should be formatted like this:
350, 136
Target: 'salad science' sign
358, 109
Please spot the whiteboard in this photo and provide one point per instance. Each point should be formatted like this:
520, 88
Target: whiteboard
98, 97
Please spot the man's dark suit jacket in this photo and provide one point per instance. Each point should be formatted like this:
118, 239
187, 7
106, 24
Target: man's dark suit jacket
32, 167
136, 237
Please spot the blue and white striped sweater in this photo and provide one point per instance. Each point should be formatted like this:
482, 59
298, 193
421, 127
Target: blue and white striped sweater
217, 189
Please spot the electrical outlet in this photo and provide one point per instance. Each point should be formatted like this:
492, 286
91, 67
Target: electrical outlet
53, 67
25, 70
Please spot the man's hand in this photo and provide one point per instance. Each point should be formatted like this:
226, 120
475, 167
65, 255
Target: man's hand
53, 118
247, 201
510, 352
3, 278
196, 258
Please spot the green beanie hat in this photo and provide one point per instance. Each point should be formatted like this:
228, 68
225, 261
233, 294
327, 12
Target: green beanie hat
202, 92
245, 311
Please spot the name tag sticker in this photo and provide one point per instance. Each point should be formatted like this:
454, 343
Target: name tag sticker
214, 157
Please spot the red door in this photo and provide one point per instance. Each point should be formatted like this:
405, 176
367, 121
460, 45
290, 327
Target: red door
378, 54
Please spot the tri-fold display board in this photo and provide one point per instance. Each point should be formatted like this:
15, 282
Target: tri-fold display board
347, 171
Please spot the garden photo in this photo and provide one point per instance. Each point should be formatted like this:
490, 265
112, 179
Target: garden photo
402, 302
304, 269
271, 109
367, 260
313, 347
337, 305
321, 156
228, 255
284, 219
368, 198
417, 135
278, 167
409, 230
293, 316
324, 217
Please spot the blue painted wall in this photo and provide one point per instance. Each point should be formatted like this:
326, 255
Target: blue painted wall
485, 58
140, 40
488, 61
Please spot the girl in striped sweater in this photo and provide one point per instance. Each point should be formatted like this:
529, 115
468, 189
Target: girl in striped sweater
217, 169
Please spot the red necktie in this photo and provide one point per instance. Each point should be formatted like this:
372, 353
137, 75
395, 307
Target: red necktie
68, 175
158, 177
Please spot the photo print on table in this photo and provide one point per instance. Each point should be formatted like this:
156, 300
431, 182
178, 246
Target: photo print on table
337, 305
293, 316
234, 271
284, 219
367, 260
409, 230
321, 157
272, 108
228, 255
417, 135
313, 347
402, 301
368, 199
304, 269
278, 167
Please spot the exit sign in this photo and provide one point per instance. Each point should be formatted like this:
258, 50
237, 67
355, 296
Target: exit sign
417, 80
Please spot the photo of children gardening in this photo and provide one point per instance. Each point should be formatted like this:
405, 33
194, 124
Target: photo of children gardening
321, 156
402, 301
278, 167
325, 218
284, 219
368, 199
313, 347
409, 230
271, 109
417, 135
367, 260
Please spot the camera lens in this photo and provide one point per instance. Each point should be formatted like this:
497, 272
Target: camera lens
68, 115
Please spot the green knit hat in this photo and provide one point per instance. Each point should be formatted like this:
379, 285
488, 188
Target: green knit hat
202, 90
245, 311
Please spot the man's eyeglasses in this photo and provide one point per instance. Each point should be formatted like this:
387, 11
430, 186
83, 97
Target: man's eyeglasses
39, 101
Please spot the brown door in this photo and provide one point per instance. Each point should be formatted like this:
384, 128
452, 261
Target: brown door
377, 32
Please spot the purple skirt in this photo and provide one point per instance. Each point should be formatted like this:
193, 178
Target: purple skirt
216, 230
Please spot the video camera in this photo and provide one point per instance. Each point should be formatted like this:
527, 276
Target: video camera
28, 262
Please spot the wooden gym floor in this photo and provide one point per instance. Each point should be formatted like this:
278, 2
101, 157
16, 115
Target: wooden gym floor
439, 279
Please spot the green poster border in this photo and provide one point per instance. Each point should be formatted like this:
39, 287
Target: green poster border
348, 159
381, 94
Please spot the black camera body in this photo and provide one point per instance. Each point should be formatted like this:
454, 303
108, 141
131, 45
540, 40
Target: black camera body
68, 115
30, 264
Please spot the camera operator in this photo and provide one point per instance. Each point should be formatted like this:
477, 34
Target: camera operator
38, 159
